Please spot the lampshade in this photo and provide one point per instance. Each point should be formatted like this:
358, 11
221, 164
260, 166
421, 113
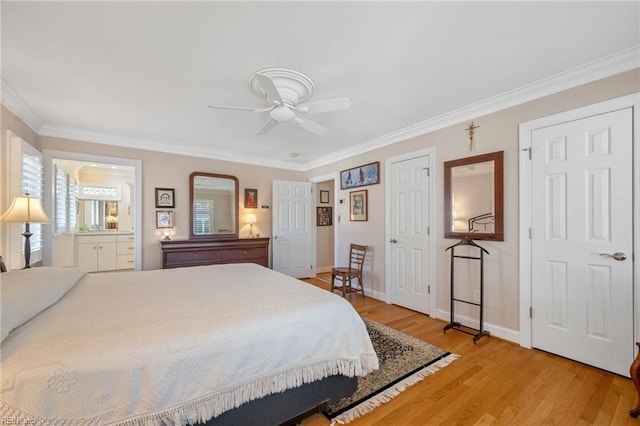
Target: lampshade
251, 218
25, 208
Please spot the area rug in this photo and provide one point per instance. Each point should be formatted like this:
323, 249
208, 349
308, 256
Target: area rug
404, 361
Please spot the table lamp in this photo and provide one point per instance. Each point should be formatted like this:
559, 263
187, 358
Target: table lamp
251, 219
27, 209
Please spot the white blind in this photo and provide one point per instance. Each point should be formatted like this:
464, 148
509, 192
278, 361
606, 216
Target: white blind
203, 220
66, 201
32, 183
62, 200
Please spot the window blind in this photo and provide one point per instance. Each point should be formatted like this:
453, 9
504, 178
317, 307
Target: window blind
33, 183
203, 217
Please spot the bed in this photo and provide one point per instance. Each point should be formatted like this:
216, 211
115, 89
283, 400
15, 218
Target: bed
233, 344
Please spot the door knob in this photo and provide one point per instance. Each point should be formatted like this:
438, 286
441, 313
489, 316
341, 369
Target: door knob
393, 241
619, 256
275, 237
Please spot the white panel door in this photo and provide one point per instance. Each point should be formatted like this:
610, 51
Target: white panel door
409, 243
293, 233
582, 214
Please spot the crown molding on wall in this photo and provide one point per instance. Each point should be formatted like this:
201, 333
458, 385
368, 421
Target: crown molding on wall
617, 63
608, 66
19, 107
158, 146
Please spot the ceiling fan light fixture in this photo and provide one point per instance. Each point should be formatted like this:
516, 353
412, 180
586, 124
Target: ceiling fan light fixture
282, 114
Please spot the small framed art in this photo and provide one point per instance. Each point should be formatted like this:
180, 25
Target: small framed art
250, 198
165, 198
368, 174
324, 197
324, 216
164, 219
358, 207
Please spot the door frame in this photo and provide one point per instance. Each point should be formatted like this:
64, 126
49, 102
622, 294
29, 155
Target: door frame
431, 262
525, 253
49, 187
325, 178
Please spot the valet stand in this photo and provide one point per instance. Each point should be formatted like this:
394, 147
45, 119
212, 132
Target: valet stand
477, 334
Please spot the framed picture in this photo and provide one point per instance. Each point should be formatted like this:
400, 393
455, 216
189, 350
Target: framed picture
250, 198
164, 219
368, 174
358, 208
165, 197
324, 197
324, 216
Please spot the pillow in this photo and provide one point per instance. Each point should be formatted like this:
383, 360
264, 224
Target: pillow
27, 292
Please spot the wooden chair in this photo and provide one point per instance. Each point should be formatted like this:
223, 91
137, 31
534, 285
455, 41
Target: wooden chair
354, 270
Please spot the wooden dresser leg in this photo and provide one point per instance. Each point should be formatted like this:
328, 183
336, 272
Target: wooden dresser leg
635, 378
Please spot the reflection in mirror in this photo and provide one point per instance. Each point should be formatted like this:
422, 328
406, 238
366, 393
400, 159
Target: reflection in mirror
214, 206
474, 197
98, 215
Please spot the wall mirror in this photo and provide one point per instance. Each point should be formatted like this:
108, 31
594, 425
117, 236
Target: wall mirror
214, 206
473, 197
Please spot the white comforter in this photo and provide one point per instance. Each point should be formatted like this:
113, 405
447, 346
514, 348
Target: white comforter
176, 346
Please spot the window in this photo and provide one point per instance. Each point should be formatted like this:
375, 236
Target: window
66, 201
33, 183
203, 217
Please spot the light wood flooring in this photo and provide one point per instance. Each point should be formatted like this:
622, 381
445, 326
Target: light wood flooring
494, 382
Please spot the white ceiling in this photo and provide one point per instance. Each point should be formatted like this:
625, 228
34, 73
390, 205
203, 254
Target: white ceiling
141, 74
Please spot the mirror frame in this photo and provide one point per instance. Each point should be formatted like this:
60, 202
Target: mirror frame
498, 190
231, 236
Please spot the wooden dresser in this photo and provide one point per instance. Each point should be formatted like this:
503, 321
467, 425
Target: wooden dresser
179, 253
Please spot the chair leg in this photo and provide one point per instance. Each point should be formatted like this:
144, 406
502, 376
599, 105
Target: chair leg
361, 286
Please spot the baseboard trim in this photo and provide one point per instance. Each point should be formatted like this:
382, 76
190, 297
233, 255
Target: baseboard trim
495, 330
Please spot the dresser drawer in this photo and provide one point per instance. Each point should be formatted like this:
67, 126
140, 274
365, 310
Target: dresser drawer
241, 253
193, 257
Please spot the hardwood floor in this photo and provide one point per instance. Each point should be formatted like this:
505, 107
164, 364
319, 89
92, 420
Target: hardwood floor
493, 382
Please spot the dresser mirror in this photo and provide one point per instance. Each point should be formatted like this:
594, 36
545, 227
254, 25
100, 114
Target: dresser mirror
214, 206
473, 197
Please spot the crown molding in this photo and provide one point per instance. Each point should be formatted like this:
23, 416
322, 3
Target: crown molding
608, 66
19, 107
53, 130
617, 63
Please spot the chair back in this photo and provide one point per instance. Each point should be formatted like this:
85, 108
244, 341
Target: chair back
356, 257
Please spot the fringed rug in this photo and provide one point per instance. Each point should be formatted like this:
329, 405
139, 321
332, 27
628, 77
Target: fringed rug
404, 361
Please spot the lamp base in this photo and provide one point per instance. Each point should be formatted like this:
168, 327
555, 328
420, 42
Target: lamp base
27, 246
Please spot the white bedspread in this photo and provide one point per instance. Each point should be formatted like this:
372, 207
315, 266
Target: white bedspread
176, 346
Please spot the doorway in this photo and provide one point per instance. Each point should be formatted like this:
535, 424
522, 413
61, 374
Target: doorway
577, 265
57, 247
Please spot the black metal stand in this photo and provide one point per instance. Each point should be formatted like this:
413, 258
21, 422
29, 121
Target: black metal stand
476, 333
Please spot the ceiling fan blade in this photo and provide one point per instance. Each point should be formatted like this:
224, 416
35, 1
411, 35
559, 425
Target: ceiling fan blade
269, 88
309, 125
241, 108
266, 127
324, 106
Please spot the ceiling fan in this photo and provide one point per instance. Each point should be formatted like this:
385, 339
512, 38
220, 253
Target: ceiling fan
286, 90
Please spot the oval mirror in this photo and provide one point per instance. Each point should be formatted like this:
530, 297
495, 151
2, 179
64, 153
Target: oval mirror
214, 206
473, 197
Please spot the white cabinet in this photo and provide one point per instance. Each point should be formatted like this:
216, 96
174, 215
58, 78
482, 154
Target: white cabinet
99, 252
124, 251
